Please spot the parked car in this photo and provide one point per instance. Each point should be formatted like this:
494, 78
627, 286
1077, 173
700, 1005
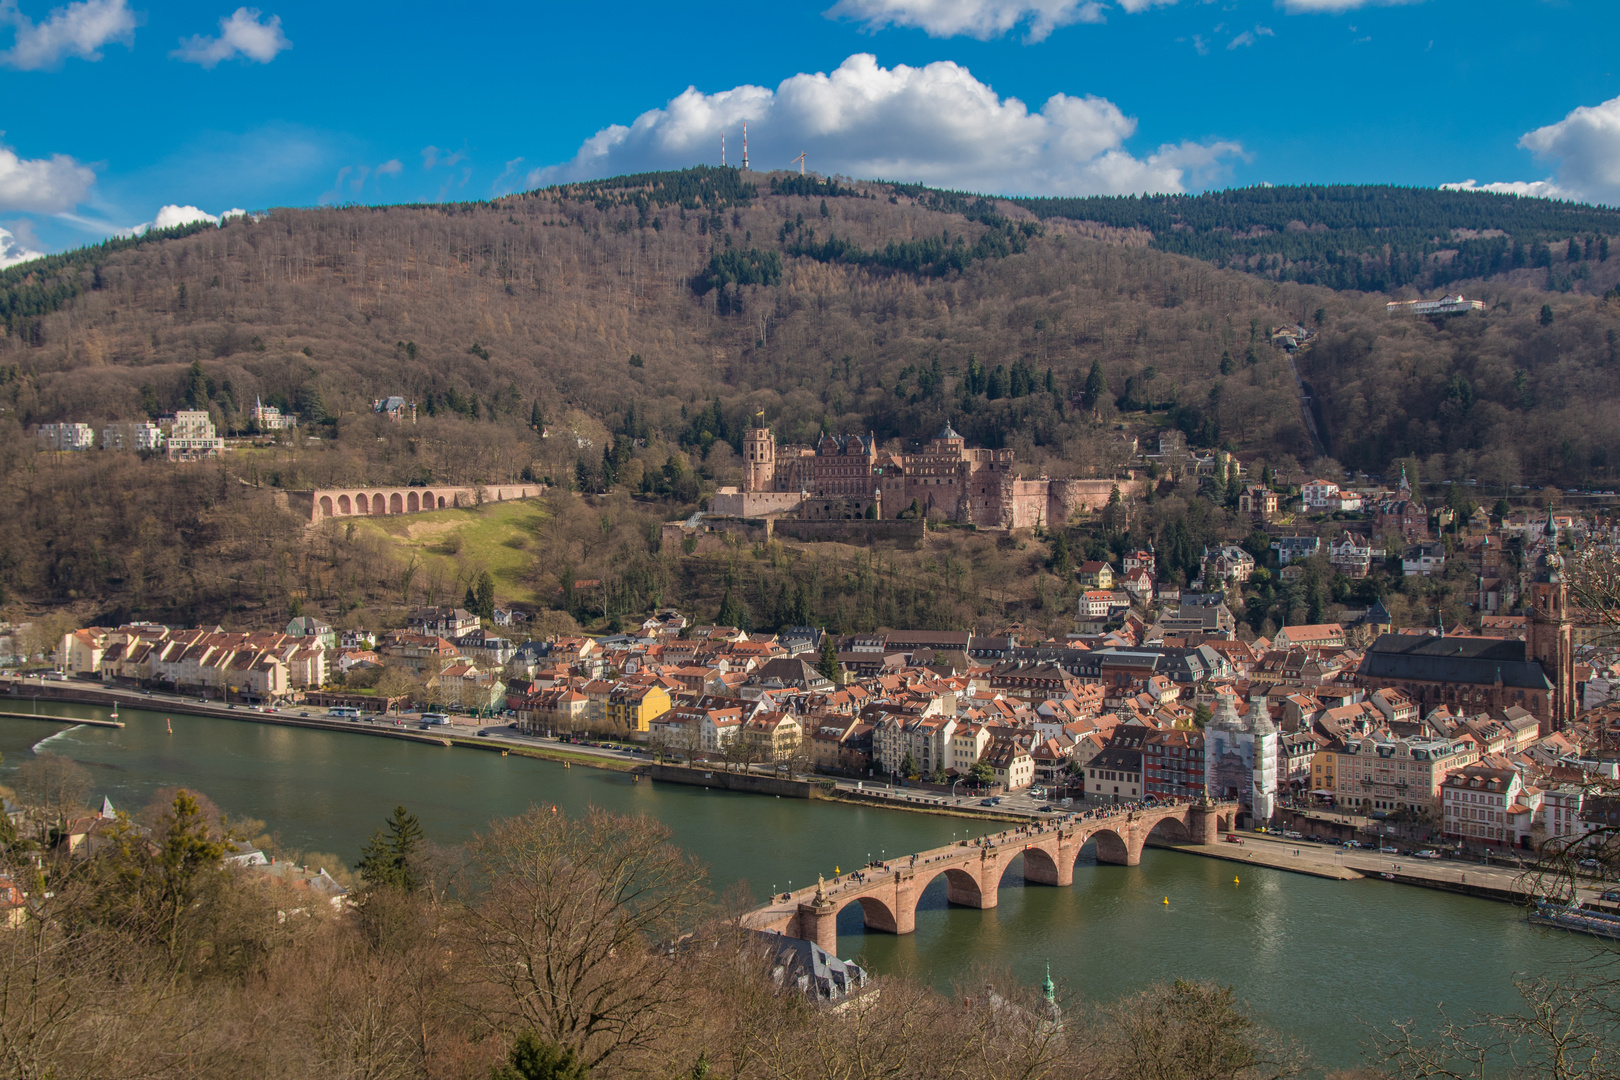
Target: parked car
987, 802
1612, 895
1387, 850
1233, 838
1428, 853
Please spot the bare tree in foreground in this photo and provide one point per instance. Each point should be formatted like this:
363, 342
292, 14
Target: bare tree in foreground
572, 921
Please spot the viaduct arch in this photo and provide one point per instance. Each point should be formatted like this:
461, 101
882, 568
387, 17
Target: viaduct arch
888, 892
324, 504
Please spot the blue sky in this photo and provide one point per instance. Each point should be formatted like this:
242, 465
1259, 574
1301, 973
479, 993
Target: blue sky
115, 115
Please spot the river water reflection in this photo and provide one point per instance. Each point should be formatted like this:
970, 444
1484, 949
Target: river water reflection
1313, 958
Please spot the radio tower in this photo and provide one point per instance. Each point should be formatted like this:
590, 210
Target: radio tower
722, 149
745, 148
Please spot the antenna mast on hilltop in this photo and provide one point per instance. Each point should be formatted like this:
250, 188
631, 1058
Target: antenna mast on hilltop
745, 148
800, 160
722, 149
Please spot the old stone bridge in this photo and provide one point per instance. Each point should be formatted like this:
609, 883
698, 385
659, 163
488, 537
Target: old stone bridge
888, 892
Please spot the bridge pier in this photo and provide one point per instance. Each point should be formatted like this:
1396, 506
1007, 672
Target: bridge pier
1204, 824
818, 922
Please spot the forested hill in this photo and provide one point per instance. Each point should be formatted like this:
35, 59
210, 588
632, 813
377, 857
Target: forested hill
1369, 237
639, 315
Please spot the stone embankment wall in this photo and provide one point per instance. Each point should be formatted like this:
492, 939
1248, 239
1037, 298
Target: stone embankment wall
751, 783
714, 534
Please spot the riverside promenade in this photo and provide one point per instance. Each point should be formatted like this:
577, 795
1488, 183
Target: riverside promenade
1508, 883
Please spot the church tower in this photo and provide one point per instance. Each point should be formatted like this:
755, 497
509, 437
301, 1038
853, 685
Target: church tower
1549, 638
759, 459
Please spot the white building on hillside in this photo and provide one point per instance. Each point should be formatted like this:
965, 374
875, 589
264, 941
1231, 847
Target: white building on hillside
191, 435
67, 436
270, 418
126, 435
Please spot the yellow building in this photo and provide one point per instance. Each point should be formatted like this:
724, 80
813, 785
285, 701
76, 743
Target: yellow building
634, 708
1096, 575
776, 735
1323, 770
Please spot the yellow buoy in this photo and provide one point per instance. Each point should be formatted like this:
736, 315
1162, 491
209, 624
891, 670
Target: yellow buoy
1234, 881
1167, 901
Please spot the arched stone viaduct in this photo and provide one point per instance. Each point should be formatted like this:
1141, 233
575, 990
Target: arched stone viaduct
888, 892
325, 503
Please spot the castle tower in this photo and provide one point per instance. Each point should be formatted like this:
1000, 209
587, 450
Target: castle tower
759, 459
1549, 638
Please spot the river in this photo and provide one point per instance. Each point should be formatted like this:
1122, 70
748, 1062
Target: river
1311, 957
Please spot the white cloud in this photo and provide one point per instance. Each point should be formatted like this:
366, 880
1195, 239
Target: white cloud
354, 177
40, 185
171, 215
1540, 189
935, 124
1249, 37
79, 29
1585, 145
433, 156
983, 19
12, 251
1313, 7
240, 34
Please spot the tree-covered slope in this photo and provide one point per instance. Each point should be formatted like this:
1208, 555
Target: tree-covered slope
1368, 237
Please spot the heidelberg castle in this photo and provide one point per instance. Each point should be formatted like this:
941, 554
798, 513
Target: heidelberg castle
844, 475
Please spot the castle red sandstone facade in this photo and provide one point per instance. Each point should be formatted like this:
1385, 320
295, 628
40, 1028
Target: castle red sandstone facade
843, 475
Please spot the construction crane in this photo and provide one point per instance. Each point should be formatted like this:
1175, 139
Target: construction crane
800, 160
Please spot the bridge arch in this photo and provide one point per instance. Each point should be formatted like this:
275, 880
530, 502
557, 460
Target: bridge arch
378, 504
396, 503
1043, 868
344, 506
962, 888
1112, 847
413, 503
875, 912
362, 503
326, 506
1170, 830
